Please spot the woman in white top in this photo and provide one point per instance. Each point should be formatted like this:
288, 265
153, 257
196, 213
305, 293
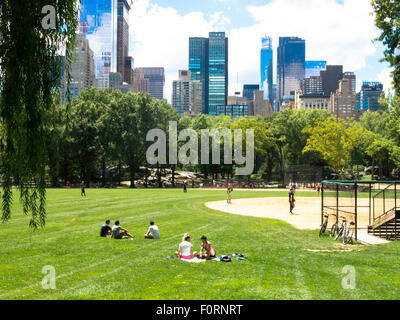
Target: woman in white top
185, 249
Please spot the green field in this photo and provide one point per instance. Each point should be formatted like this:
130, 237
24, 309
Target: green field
89, 267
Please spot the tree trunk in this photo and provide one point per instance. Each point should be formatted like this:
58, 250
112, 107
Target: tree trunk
103, 173
132, 171
173, 176
373, 168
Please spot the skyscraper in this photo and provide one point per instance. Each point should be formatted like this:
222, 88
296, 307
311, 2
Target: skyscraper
217, 71
98, 21
81, 68
248, 90
311, 85
124, 63
330, 79
187, 94
352, 78
369, 96
198, 66
313, 68
344, 101
208, 63
156, 78
291, 66
267, 67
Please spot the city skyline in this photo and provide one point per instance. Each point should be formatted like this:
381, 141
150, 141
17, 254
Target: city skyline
245, 24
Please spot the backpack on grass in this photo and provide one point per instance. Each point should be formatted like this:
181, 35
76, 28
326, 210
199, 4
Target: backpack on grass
225, 258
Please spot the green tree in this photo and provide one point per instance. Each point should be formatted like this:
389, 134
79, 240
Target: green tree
29, 73
387, 13
334, 140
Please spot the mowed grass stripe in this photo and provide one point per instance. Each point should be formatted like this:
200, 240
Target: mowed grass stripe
279, 267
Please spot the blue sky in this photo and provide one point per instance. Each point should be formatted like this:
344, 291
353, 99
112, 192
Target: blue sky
339, 31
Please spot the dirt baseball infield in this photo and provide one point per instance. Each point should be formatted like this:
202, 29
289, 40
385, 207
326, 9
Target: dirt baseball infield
307, 212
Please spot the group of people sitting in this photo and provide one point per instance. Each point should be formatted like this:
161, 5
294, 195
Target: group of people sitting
118, 232
185, 249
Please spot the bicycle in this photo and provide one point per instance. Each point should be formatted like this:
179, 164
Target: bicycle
348, 233
345, 231
339, 233
324, 225
334, 229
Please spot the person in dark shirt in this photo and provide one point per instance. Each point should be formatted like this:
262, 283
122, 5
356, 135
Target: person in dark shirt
291, 200
105, 230
184, 187
83, 193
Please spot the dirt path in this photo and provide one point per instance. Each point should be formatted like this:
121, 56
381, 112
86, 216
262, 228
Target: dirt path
307, 211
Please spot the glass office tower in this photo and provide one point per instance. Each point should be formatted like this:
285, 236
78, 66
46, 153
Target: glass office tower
217, 71
291, 66
98, 21
267, 67
369, 97
198, 66
248, 91
313, 68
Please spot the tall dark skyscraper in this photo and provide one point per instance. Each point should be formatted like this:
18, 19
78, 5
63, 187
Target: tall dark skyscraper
248, 90
208, 63
217, 71
266, 68
124, 63
198, 66
369, 96
291, 66
330, 79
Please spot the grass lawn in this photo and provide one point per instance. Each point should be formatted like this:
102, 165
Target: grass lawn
90, 267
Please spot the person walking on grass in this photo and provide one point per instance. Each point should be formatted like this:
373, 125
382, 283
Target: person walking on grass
229, 192
291, 200
119, 232
152, 232
318, 189
184, 187
83, 193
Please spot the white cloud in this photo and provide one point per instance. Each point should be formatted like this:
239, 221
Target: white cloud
161, 37
340, 34
385, 77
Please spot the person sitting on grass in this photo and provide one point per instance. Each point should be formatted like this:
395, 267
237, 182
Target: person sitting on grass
152, 232
119, 232
185, 249
207, 250
105, 230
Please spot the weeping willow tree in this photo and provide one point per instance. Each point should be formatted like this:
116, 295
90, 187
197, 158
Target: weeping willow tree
30, 69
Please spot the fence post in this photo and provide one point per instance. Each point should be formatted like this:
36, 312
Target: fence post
322, 203
370, 193
337, 202
355, 209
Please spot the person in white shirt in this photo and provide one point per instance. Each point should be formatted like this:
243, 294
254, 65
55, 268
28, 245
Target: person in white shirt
152, 232
185, 249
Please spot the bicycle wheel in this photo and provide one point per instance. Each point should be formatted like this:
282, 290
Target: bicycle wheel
340, 233
323, 229
348, 236
334, 230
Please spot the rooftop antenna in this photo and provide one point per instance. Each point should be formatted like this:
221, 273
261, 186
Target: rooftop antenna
237, 93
